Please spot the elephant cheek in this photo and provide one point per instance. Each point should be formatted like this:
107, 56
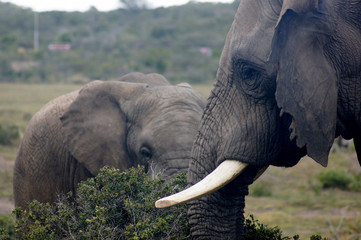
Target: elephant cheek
254, 139
169, 164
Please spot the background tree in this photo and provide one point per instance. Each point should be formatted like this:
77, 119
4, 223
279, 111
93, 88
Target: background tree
134, 4
106, 45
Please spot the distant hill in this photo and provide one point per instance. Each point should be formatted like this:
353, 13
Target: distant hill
183, 43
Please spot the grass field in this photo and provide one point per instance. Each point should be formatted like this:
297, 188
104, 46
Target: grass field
292, 199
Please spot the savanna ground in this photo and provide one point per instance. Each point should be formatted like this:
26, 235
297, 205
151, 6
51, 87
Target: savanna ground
291, 199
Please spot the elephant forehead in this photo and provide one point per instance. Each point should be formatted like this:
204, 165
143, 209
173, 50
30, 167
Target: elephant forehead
166, 135
172, 111
253, 29
163, 108
175, 113
173, 99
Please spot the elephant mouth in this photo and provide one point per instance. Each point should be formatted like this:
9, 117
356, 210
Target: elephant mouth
220, 177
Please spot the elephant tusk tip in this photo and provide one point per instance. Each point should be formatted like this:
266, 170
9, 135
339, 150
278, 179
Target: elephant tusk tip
223, 174
164, 203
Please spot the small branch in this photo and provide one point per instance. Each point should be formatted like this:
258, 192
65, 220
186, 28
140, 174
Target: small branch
336, 230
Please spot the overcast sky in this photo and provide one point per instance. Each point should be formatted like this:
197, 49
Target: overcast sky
84, 5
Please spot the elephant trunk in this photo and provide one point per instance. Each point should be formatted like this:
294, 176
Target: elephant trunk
217, 216
170, 164
224, 134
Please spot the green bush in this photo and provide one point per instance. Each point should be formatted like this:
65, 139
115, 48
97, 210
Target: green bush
7, 227
335, 178
356, 183
317, 237
112, 205
261, 190
257, 231
8, 134
118, 205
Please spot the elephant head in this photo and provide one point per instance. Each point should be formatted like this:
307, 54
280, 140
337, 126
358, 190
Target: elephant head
124, 124
288, 82
116, 124
153, 79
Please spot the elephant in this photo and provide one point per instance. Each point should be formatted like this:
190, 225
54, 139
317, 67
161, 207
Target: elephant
288, 83
153, 79
112, 123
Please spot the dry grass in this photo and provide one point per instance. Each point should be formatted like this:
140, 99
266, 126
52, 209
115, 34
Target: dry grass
299, 205
204, 90
18, 102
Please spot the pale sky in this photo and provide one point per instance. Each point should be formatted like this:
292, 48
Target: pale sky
84, 5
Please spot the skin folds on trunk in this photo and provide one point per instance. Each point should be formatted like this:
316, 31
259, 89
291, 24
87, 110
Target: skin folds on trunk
211, 215
227, 133
219, 215
205, 211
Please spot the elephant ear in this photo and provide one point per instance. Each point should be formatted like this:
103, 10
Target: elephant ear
94, 126
306, 80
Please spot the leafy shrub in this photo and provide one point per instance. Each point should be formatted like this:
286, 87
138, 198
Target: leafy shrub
261, 190
317, 237
7, 227
356, 183
256, 230
8, 134
119, 205
335, 178
112, 205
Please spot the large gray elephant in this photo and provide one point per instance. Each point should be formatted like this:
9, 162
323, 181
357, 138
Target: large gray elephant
288, 83
117, 124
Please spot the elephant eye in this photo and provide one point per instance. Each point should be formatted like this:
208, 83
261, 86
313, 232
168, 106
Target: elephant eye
250, 77
145, 152
253, 80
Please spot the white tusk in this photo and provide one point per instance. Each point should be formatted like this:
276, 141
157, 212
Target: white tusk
221, 176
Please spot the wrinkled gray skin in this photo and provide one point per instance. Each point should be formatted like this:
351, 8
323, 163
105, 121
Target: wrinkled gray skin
117, 124
291, 61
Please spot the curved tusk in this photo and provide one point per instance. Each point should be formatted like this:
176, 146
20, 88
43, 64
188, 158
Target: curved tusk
221, 176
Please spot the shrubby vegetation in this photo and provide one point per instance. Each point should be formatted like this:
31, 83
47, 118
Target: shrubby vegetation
337, 178
257, 230
106, 45
261, 189
7, 227
8, 134
112, 205
117, 205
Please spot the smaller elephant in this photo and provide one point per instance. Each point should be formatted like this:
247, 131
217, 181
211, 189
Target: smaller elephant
117, 124
153, 79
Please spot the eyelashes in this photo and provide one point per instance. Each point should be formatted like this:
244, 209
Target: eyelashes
253, 80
